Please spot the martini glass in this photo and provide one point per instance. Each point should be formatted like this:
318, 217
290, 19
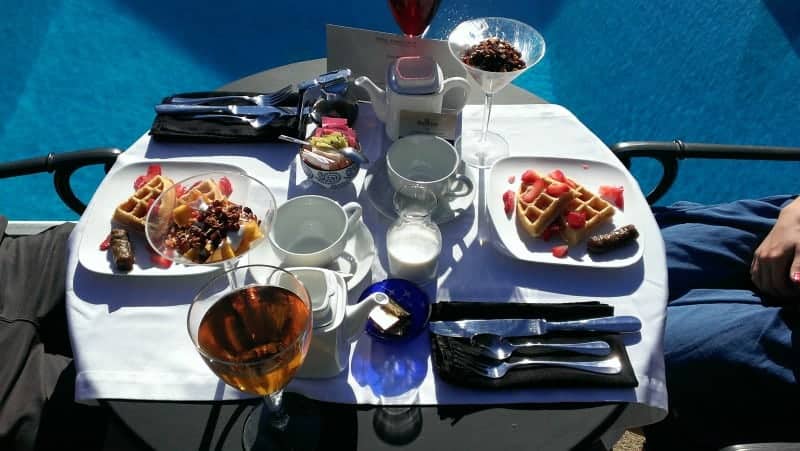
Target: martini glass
414, 16
254, 336
210, 219
482, 148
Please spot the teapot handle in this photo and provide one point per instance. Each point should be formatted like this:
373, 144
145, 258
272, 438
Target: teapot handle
457, 100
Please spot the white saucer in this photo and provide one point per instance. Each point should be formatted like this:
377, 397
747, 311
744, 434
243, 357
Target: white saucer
357, 258
381, 194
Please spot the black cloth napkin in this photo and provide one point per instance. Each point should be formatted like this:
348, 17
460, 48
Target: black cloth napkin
453, 372
181, 128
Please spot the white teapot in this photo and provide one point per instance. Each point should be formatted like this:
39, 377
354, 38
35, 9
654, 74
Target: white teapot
414, 83
335, 324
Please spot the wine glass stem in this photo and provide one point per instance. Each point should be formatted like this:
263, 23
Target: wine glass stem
278, 418
487, 113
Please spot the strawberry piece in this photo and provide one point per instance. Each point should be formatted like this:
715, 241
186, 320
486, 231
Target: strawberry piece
612, 194
141, 181
160, 261
180, 190
508, 202
106, 243
511, 179
225, 186
560, 251
551, 230
557, 189
530, 176
576, 219
557, 175
154, 169
533, 191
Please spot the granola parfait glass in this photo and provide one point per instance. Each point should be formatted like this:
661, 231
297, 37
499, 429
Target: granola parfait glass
482, 47
255, 336
210, 219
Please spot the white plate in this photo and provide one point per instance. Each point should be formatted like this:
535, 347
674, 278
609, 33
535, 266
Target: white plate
113, 191
357, 258
591, 174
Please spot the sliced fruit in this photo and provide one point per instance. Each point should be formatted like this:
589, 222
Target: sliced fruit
612, 194
551, 230
576, 219
558, 175
560, 251
250, 232
106, 243
533, 191
529, 176
508, 202
225, 186
160, 261
512, 178
182, 215
557, 189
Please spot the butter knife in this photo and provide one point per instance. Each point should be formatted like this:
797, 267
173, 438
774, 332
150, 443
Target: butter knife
243, 110
532, 327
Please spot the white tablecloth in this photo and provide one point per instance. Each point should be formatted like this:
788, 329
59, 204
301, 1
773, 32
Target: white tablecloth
129, 335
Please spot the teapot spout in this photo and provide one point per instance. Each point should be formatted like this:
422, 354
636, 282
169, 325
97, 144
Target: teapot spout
356, 315
376, 95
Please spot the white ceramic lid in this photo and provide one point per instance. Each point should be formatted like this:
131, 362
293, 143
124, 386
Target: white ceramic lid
414, 75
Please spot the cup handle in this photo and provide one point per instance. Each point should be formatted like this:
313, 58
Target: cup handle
353, 211
457, 102
460, 186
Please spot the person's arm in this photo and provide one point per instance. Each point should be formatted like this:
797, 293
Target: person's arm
775, 268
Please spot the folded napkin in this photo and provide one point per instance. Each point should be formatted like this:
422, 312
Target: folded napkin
182, 128
454, 372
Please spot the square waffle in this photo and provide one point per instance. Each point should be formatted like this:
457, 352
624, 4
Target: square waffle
207, 190
596, 209
132, 212
536, 215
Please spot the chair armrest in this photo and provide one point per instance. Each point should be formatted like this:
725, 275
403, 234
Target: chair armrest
669, 152
62, 165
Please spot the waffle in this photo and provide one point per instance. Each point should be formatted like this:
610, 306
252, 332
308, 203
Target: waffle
597, 210
536, 215
207, 190
132, 212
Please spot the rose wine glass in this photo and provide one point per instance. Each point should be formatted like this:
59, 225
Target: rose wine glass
414, 16
482, 148
254, 336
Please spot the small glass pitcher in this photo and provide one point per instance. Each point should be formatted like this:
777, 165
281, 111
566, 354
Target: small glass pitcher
414, 241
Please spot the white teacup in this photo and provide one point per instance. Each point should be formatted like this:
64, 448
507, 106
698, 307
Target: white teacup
429, 161
312, 230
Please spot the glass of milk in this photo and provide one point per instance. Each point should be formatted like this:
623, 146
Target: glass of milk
414, 241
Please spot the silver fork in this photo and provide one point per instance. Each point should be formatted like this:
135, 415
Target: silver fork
272, 98
496, 370
500, 348
255, 122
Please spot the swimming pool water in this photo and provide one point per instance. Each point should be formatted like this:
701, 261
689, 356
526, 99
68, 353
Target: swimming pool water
80, 74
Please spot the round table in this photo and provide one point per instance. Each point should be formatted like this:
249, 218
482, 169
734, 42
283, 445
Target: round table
218, 425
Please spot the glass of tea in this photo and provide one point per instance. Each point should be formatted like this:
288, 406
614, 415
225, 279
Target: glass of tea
414, 16
252, 326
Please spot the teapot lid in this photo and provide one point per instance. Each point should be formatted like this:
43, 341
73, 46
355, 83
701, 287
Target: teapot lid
323, 290
414, 75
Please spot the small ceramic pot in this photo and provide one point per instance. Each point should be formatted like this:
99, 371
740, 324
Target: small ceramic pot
330, 179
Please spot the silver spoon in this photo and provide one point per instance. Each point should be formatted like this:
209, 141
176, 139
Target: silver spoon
348, 152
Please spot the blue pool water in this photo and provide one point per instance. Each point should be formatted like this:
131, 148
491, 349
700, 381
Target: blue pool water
79, 74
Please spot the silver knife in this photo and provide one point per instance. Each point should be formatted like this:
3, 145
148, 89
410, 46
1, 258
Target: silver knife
244, 110
531, 327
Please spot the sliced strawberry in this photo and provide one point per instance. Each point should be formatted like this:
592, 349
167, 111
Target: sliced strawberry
225, 186
160, 261
180, 190
571, 184
508, 202
530, 176
576, 219
533, 191
557, 189
154, 169
106, 243
141, 181
512, 178
560, 251
558, 175
612, 194
551, 230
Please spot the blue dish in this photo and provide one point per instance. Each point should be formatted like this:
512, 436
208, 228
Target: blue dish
409, 296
